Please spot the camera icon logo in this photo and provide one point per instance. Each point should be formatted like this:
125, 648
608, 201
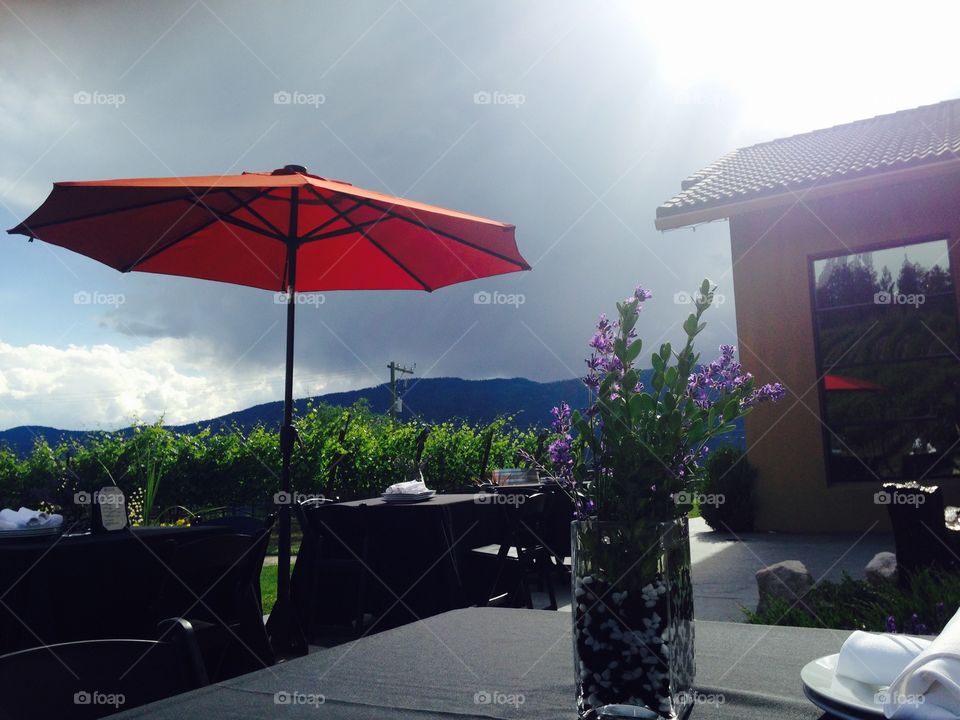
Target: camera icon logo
482, 298
82, 98
282, 97
282, 498
81, 498
82, 698
882, 498
482, 697
882, 298
282, 698
682, 298
684, 498
482, 97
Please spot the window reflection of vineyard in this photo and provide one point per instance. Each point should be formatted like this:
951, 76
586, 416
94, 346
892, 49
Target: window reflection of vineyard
898, 335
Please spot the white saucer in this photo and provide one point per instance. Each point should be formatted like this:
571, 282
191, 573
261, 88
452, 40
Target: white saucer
847, 699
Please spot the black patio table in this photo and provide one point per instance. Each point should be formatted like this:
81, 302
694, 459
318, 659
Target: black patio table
80, 587
501, 663
416, 553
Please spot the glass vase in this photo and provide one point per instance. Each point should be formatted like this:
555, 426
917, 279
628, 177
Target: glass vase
632, 608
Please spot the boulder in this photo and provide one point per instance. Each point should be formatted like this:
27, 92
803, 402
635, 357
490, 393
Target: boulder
883, 568
787, 580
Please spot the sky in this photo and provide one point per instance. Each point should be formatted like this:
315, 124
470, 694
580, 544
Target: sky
571, 120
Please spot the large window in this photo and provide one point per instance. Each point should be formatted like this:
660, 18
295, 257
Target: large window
889, 361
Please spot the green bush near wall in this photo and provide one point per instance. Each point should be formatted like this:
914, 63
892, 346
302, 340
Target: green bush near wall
726, 501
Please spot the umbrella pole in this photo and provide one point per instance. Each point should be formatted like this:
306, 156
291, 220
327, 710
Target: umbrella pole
286, 635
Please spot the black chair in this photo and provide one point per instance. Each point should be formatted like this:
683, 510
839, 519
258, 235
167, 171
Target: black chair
919, 529
334, 561
96, 678
520, 554
215, 585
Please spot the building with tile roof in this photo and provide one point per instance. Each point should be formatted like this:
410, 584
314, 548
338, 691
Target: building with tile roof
846, 252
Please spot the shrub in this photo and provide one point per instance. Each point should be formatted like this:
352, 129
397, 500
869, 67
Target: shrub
235, 467
922, 607
729, 479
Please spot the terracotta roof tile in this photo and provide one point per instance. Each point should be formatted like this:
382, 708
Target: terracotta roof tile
908, 138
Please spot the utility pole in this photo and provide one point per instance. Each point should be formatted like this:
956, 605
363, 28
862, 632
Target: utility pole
395, 404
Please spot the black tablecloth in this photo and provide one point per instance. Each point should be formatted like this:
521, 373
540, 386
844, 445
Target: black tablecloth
78, 587
521, 660
416, 554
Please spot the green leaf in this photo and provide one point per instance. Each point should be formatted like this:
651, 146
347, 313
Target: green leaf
705, 287
633, 350
690, 325
671, 377
657, 363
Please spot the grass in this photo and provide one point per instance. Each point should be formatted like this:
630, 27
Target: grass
296, 537
268, 586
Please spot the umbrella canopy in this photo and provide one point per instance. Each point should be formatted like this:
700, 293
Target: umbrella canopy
286, 230
239, 229
842, 383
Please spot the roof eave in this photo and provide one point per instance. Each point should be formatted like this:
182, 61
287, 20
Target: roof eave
697, 215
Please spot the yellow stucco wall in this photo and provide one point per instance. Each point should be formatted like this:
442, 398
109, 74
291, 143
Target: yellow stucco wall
771, 251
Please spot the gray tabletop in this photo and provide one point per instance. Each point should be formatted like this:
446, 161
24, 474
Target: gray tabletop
435, 501
501, 663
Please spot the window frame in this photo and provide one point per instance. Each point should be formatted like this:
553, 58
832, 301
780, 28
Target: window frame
826, 432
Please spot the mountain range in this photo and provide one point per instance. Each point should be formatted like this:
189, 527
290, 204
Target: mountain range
432, 400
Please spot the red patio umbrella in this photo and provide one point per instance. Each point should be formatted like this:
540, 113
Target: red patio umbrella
842, 383
286, 231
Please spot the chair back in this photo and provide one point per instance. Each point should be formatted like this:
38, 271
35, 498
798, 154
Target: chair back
212, 576
96, 678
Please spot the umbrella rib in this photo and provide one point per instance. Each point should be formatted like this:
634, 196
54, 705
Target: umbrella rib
101, 213
215, 216
253, 211
340, 215
387, 211
363, 233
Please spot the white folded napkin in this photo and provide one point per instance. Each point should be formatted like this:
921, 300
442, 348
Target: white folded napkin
25, 518
877, 658
413, 487
929, 687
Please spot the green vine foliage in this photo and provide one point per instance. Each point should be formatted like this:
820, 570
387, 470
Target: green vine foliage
160, 468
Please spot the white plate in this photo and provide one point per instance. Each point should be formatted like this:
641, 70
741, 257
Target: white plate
401, 498
847, 699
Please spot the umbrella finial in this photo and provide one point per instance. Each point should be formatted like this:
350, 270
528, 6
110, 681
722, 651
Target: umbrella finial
290, 170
